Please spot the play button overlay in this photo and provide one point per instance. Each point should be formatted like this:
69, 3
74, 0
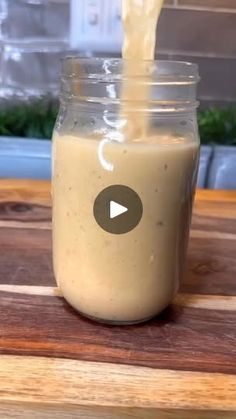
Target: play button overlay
118, 209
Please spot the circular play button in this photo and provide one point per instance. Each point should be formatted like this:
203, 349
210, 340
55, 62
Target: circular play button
118, 209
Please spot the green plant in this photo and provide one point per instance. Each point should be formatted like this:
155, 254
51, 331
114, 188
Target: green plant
217, 126
37, 119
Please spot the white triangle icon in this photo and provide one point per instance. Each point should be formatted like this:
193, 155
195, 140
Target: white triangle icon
116, 209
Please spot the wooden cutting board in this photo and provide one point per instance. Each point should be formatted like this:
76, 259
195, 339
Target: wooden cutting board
56, 364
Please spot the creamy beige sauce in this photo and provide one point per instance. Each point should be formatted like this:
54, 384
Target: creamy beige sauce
139, 20
133, 276
121, 277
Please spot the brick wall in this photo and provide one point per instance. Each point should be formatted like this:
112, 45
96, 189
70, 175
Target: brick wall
33, 38
203, 31
34, 35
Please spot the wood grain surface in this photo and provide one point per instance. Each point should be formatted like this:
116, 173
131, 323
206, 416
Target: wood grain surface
55, 363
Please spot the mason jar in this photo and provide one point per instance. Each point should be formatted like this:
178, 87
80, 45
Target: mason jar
124, 175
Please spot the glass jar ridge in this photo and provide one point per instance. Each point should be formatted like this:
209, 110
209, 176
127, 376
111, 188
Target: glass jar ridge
172, 84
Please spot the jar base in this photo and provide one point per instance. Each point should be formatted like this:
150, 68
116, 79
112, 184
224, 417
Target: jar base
114, 322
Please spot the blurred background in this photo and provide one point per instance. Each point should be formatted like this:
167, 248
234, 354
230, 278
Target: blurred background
35, 34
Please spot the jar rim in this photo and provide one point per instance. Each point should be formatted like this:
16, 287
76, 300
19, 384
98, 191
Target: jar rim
105, 69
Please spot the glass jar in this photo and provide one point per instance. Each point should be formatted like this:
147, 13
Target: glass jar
122, 197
